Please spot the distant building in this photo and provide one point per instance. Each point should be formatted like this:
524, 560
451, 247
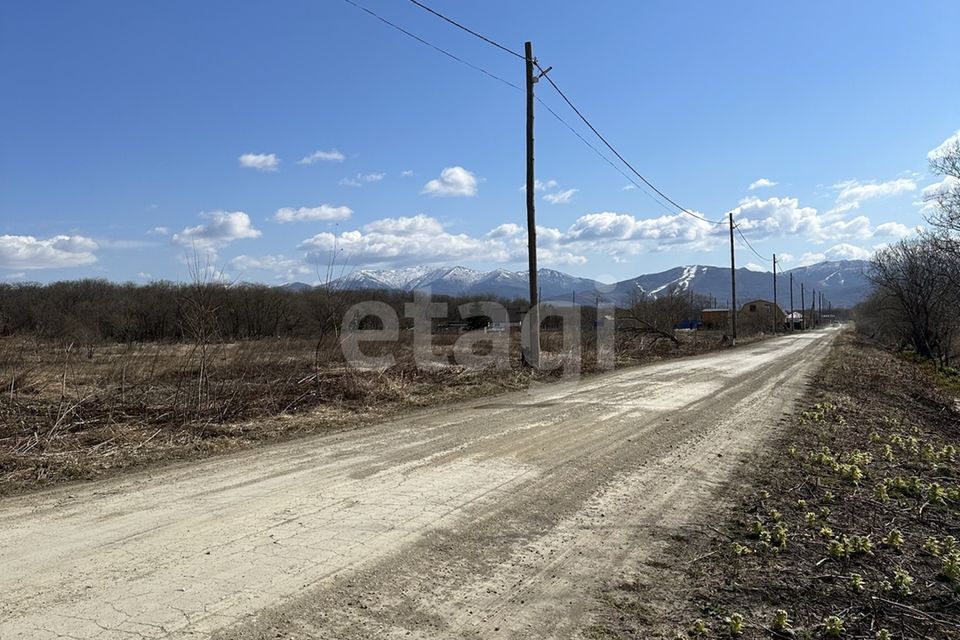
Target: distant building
715, 319
762, 312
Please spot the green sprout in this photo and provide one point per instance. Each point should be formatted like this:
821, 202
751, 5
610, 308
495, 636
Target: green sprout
856, 582
880, 493
757, 528
860, 544
764, 494
902, 582
951, 566
780, 620
735, 623
740, 550
828, 497
888, 453
894, 539
936, 494
779, 536
699, 628
811, 518
833, 626
932, 546
875, 437
949, 544
826, 532
775, 515
885, 586
801, 503
883, 634
837, 549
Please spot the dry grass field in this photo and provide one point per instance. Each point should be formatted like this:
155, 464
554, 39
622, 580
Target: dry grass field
72, 412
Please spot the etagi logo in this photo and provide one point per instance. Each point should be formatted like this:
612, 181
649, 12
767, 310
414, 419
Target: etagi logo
481, 349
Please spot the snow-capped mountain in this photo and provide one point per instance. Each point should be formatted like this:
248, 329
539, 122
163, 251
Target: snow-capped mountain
843, 282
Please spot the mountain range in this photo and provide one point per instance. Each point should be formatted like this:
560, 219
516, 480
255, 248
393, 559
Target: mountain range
843, 283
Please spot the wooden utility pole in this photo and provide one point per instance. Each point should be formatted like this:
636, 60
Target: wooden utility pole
813, 308
775, 306
791, 301
733, 288
803, 310
533, 314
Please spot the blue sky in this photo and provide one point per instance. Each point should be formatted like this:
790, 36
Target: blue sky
135, 133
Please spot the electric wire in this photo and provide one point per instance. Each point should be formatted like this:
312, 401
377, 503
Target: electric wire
543, 74
468, 30
552, 112
602, 156
544, 104
682, 209
432, 46
750, 246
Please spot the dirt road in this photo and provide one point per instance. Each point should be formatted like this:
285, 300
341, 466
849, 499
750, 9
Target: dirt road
497, 518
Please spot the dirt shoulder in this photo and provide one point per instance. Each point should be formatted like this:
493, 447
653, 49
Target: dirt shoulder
848, 526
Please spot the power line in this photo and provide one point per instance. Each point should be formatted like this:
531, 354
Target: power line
433, 46
546, 106
617, 153
750, 246
468, 30
543, 74
600, 154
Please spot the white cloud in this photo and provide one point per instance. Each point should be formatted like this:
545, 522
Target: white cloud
418, 239
841, 251
223, 228
753, 266
852, 191
892, 230
611, 232
159, 231
775, 217
260, 161
453, 181
629, 187
944, 146
422, 240
847, 252
560, 197
542, 185
761, 183
362, 178
28, 252
407, 173
305, 214
15, 276
931, 192
506, 230
322, 156
419, 224
278, 264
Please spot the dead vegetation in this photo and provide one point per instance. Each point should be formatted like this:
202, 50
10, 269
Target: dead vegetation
848, 529
77, 412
